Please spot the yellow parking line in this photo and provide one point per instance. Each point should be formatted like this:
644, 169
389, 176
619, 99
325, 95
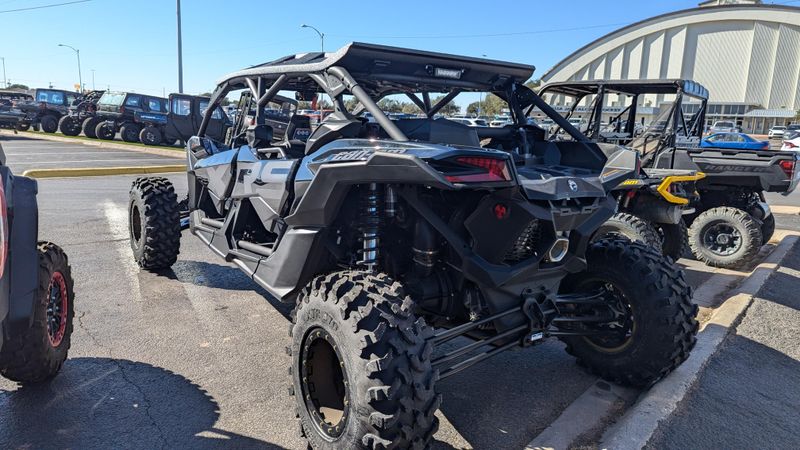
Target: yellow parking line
101, 171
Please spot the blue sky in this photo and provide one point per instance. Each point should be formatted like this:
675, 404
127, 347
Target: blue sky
131, 45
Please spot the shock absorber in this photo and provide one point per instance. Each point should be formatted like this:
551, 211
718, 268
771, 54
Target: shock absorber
370, 227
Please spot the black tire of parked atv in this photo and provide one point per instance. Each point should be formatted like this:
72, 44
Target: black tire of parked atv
675, 240
767, 228
150, 135
37, 354
385, 387
660, 302
69, 126
154, 223
129, 132
49, 124
105, 131
89, 125
22, 126
629, 227
705, 242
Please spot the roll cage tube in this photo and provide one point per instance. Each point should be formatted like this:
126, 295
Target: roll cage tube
538, 102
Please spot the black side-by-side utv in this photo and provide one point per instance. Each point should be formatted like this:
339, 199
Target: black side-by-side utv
393, 237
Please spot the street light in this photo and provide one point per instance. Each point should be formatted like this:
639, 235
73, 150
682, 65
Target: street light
78, 54
93, 79
480, 99
5, 82
321, 35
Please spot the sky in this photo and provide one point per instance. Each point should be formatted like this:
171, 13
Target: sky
132, 45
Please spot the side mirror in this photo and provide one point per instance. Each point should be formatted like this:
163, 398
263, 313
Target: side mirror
201, 147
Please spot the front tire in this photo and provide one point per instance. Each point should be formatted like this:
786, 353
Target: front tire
49, 124
361, 365
89, 125
20, 126
725, 237
154, 223
657, 320
630, 228
105, 131
37, 354
68, 126
150, 135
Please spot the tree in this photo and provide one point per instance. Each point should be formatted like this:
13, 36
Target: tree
534, 85
411, 108
351, 103
490, 106
390, 105
448, 109
19, 87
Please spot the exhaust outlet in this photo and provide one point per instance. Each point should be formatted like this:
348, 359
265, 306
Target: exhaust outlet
559, 250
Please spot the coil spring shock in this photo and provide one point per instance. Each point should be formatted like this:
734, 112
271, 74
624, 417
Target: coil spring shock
370, 226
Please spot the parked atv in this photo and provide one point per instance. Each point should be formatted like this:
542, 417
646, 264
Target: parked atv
82, 109
134, 116
394, 237
45, 109
651, 206
36, 288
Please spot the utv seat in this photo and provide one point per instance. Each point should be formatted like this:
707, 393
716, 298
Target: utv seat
297, 132
336, 126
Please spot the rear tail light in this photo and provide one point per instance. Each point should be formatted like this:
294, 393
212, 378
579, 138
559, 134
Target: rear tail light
787, 167
488, 170
3, 229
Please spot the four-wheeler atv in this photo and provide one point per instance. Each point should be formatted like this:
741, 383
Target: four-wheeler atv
46, 109
36, 295
184, 118
731, 219
83, 108
134, 116
651, 206
12, 117
394, 237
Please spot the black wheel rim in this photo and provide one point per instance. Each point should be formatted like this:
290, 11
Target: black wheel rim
135, 225
616, 334
722, 238
324, 383
57, 305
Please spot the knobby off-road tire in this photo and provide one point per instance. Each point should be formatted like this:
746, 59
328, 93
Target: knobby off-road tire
655, 296
22, 126
37, 354
725, 237
69, 126
361, 361
105, 131
49, 124
150, 135
129, 132
629, 227
675, 240
154, 223
89, 125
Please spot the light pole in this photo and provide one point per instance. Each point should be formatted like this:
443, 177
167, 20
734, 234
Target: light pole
92, 79
480, 99
78, 54
5, 82
321, 36
180, 51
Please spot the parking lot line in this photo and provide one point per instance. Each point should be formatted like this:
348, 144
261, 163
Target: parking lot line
101, 171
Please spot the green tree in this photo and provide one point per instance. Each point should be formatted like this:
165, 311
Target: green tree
490, 106
448, 109
18, 87
411, 108
351, 103
390, 105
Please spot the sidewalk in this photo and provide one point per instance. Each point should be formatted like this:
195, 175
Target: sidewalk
748, 395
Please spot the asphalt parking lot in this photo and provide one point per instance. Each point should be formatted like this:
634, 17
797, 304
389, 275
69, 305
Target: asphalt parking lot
24, 153
195, 357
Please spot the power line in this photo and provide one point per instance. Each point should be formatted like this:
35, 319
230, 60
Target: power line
44, 6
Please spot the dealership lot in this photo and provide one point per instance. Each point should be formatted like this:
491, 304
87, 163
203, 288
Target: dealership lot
195, 357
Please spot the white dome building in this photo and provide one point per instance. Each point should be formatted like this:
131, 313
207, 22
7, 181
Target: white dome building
746, 53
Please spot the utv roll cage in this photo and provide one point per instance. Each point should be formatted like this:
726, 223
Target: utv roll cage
665, 132
371, 72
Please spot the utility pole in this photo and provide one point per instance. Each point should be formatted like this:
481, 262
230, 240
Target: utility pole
321, 36
180, 52
5, 81
78, 53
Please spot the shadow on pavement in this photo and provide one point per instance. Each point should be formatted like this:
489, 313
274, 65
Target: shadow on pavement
101, 403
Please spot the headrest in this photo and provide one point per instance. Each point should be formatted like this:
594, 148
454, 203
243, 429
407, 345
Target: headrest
259, 136
299, 128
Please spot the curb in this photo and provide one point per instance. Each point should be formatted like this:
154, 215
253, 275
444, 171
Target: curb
780, 209
599, 404
176, 153
101, 171
635, 428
